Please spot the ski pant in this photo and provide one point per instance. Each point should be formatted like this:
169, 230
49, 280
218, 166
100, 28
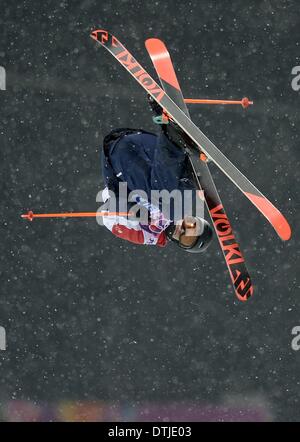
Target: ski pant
149, 162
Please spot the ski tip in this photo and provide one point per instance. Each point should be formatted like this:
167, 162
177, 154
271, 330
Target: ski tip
162, 61
286, 231
99, 35
274, 216
155, 42
157, 50
93, 35
283, 229
244, 297
242, 283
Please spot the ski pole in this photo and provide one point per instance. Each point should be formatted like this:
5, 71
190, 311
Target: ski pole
30, 215
245, 102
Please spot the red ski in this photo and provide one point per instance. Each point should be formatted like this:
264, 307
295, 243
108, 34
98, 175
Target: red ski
231, 250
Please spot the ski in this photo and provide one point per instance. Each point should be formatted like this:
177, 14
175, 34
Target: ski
233, 256
271, 213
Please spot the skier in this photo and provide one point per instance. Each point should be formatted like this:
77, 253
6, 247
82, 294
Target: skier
150, 162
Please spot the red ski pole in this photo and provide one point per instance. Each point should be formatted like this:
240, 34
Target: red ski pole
30, 215
245, 102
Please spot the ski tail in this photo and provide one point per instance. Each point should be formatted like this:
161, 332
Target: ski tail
273, 215
233, 256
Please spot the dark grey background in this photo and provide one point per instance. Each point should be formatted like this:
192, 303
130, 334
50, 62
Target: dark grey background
91, 317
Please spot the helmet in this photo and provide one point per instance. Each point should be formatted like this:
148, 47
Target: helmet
202, 241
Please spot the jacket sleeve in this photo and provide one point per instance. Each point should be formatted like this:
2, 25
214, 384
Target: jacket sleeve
133, 231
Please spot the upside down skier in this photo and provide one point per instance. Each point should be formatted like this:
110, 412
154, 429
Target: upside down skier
150, 162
